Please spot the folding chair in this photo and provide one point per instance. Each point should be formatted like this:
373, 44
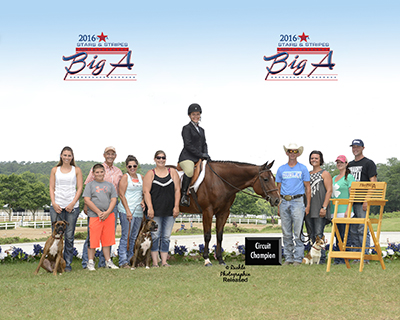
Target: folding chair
373, 193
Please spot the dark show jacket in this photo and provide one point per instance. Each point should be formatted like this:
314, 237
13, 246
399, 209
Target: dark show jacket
194, 143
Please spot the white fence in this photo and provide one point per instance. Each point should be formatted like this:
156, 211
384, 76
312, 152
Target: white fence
8, 225
230, 220
44, 221
36, 224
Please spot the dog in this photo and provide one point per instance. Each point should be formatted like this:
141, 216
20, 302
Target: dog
52, 258
314, 255
143, 244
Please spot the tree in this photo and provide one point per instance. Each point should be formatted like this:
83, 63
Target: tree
36, 194
12, 192
390, 173
245, 204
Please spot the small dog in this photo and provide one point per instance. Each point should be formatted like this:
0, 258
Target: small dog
143, 244
52, 258
314, 255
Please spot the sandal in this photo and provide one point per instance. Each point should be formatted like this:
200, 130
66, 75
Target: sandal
155, 266
166, 265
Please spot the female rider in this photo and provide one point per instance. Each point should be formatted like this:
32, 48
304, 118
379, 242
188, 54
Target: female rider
194, 148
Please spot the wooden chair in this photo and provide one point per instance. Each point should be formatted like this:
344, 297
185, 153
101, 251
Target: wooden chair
373, 193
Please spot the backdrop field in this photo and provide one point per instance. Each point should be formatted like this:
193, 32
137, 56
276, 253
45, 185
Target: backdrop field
190, 291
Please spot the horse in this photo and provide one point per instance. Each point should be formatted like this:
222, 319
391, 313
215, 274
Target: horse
215, 196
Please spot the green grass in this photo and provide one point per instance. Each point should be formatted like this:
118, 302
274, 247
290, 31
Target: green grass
188, 290
388, 225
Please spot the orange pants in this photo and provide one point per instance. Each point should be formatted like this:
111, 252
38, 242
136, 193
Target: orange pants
102, 231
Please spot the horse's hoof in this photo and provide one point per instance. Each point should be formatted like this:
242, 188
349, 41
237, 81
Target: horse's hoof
208, 265
222, 263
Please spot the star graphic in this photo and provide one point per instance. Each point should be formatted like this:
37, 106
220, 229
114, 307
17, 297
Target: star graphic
103, 37
303, 37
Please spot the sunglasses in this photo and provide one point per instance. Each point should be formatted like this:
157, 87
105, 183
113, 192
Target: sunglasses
134, 166
293, 151
159, 158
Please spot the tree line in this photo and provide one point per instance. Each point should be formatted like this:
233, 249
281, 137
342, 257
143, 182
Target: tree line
25, 185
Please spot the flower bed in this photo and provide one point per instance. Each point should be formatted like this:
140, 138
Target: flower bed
17, 254
390, 253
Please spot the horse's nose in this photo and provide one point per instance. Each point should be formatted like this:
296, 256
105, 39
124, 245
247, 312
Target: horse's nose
277, 201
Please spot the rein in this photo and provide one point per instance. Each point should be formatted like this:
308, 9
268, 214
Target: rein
254, 181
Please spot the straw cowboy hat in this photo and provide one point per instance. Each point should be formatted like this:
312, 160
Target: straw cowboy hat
293, 146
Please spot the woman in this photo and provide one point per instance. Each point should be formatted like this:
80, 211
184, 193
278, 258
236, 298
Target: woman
321, 190
65, 191
194, 148
341, 190
130, 209
161, 193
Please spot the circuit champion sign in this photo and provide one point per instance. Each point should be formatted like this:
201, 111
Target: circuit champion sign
263, 251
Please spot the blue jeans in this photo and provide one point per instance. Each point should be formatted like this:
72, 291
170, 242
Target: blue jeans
357, 230
71, 218
102, 260
124, 255
317, 226
161, 237
292, 216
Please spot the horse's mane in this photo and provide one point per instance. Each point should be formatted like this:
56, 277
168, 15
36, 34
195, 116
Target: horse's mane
233, 162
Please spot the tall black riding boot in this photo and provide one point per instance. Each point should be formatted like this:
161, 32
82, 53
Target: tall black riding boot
185, 201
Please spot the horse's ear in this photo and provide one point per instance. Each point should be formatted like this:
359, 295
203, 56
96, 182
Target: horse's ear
270, 165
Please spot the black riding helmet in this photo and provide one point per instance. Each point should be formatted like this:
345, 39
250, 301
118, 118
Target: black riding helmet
194, 107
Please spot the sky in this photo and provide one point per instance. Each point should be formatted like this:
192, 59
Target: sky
210, 53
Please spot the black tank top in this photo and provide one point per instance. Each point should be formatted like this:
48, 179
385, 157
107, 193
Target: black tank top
163, 195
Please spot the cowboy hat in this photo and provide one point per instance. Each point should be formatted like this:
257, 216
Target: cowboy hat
293, 146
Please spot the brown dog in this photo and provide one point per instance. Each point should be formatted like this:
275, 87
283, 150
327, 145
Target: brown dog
52, 258
143, 244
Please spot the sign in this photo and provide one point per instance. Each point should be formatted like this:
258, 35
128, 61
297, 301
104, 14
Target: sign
98, 59
296, 60
263, 251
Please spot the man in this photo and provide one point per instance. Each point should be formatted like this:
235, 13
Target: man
363, 169
293, 181
112, 175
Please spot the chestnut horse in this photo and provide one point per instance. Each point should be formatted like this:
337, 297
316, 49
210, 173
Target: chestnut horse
223, 179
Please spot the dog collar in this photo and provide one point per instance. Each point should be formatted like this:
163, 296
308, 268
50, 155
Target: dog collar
316, 248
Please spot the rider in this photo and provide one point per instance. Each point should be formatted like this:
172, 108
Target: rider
194, 148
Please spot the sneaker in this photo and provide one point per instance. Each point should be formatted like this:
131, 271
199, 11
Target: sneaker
125, 266
90, 266
295, 264
287, 263
111, 265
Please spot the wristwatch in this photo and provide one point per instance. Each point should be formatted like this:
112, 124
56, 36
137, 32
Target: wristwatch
324, 208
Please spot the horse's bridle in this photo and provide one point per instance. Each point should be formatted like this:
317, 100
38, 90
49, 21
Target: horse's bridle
267, 197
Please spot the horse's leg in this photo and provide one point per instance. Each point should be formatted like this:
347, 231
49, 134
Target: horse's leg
220, 224
207, 221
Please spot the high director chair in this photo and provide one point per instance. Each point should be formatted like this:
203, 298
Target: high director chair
373, 193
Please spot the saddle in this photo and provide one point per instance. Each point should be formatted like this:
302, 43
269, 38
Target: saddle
197, 170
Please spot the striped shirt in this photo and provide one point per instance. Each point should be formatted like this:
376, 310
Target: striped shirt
113, 175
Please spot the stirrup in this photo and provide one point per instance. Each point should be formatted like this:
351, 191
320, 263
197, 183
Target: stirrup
185, 201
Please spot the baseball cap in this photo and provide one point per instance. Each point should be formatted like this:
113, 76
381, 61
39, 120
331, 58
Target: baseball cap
109, 149
341, 158
357, 142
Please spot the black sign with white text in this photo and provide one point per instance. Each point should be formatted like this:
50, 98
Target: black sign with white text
263, 251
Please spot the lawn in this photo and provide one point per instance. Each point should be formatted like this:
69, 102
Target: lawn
188, 290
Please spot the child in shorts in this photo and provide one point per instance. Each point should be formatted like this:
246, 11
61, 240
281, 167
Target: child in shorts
100, 197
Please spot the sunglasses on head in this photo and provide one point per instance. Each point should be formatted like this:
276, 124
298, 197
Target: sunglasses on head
134, 166
159, 158
293, 151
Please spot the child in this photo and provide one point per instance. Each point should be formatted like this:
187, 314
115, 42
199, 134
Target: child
100, 197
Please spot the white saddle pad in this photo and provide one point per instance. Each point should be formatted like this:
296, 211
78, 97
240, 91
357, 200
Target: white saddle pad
199, 179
